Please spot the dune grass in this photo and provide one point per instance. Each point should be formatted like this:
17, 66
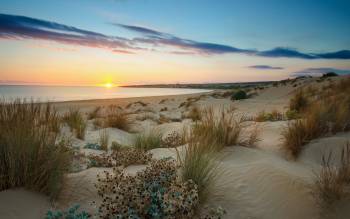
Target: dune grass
94, 113
222, 131
104, 139
76, 122
333, 181
299, 101
118, 119
200, 165
148, 141
31, 154
326, 113
195, 113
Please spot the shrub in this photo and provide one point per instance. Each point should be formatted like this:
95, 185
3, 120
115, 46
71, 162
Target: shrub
173, 139
239, 95
123, 156
93, 146
76, 122
148, 141
31, 154
71, 213
104, 139
155, 192
329, 74
299, 101
332, 182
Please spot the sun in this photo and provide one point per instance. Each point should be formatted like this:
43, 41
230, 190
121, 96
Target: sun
108, 85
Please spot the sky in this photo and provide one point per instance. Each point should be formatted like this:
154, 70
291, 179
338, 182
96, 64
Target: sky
91, 42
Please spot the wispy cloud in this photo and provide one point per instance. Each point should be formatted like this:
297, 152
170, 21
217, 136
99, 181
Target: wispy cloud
155, 37
21, 27
265, 67
320, 71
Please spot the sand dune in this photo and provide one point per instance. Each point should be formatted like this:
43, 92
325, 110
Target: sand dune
256, 182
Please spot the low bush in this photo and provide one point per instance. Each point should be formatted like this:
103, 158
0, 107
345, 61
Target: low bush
173, 139
239, 95
122, 156
31, 153
155, 192
71, 213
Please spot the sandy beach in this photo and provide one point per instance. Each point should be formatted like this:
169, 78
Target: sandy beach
258, 182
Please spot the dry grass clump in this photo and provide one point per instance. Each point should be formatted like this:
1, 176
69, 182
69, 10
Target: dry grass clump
155, 192
148, 141
200, 165
31, 155
299, 101
195, 114
189, 102
122, 156
333, 181
222, 131
117, 119
76, 122
329, 112
94, 113
273, 116
104, 139
143, 104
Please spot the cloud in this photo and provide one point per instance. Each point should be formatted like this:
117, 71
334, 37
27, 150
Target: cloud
21, 27
159, 38
265, 67
320, 71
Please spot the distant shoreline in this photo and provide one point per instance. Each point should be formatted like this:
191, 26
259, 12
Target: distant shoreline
211, 86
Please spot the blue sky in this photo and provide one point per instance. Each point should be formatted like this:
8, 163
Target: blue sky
307, 33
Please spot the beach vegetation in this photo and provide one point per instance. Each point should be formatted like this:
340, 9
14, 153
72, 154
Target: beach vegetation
333, 181
76, 122
155, 192
94, 113
104, 139
32, 155
148, 141
118, 119
326, 113
239, 95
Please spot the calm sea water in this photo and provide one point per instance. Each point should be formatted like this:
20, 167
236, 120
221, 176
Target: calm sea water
67, 93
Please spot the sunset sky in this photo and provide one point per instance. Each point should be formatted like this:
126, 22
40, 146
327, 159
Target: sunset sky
89, 42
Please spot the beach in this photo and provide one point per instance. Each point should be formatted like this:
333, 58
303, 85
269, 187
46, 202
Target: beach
259, 181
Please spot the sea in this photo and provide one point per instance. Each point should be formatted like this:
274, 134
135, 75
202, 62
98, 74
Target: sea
71, 93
